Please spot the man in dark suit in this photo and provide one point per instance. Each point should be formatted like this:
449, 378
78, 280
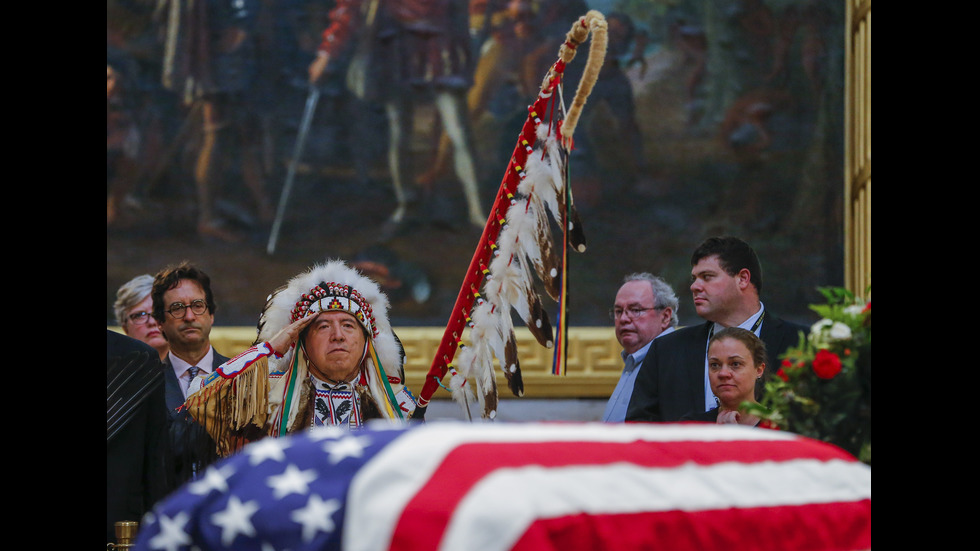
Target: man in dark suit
184, 306
726, 282
137, 470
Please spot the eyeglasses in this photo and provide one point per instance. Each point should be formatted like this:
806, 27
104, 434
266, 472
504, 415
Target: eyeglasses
139, 318
631, 313
178, 309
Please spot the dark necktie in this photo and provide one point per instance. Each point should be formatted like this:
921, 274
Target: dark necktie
192, 372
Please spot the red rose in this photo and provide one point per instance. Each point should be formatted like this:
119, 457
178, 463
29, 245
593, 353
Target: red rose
782, 375
826, 364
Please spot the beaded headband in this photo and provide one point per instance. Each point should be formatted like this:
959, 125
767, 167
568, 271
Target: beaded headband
336, 297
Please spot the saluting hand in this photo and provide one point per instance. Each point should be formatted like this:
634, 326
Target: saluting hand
289, 334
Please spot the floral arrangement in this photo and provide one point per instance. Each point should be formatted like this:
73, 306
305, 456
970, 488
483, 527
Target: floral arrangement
822, 388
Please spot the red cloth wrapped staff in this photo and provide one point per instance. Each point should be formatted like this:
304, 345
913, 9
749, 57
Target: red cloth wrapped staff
480, 266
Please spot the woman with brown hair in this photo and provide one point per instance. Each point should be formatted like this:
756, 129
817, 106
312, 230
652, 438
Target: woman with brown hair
736, 362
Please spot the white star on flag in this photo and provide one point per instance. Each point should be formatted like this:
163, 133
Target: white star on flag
349, 446
315, 516
292, 481
267, 448
172, 535
235, 519
212, 479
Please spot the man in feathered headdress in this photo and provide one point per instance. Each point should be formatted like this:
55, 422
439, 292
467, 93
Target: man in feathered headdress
325, 355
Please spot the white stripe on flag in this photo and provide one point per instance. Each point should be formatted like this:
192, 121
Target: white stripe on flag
499, 509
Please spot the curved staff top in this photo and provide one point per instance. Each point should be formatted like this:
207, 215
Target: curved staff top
508, 251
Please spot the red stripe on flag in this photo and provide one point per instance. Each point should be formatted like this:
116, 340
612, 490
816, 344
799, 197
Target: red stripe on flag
426, 516
810, 527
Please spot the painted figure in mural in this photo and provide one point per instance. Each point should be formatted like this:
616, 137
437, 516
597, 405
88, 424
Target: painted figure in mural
122, 139
212, 63
404, 52
137, 110
504, 31
325, 355
614, 133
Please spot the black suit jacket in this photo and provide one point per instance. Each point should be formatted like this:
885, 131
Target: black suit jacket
137, 472
192, 448
670, 383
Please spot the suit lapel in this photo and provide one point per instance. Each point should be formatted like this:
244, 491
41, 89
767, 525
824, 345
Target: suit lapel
695, 359
172, 392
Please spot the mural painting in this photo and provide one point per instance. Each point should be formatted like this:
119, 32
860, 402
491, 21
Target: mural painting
709, 117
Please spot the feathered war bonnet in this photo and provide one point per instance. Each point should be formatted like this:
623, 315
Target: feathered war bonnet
329, 287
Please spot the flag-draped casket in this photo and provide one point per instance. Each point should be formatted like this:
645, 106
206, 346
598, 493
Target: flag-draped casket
533, 486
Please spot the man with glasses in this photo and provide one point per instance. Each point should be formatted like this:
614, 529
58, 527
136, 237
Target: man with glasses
726, 283
645, 308
183, 305
134, 313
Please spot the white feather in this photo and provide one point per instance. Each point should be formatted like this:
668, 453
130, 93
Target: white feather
459, 389
464, 361
544, 174
484, 379
534, 243
510, 285
492, 325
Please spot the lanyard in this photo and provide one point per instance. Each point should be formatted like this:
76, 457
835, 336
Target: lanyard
755, 325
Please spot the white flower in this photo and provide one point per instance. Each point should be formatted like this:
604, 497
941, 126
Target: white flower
827, 331
854, 310
839, 332
818, 338
821, 325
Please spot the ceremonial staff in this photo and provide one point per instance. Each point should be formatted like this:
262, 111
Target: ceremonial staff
516, 241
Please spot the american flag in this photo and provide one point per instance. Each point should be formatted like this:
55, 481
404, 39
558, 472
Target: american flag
523, 486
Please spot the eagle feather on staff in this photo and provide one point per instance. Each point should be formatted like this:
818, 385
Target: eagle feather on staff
519, 238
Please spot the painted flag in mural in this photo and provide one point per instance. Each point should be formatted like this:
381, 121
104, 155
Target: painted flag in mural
523, 486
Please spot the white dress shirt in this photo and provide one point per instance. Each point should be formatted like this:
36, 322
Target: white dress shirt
181, 367
620, 400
